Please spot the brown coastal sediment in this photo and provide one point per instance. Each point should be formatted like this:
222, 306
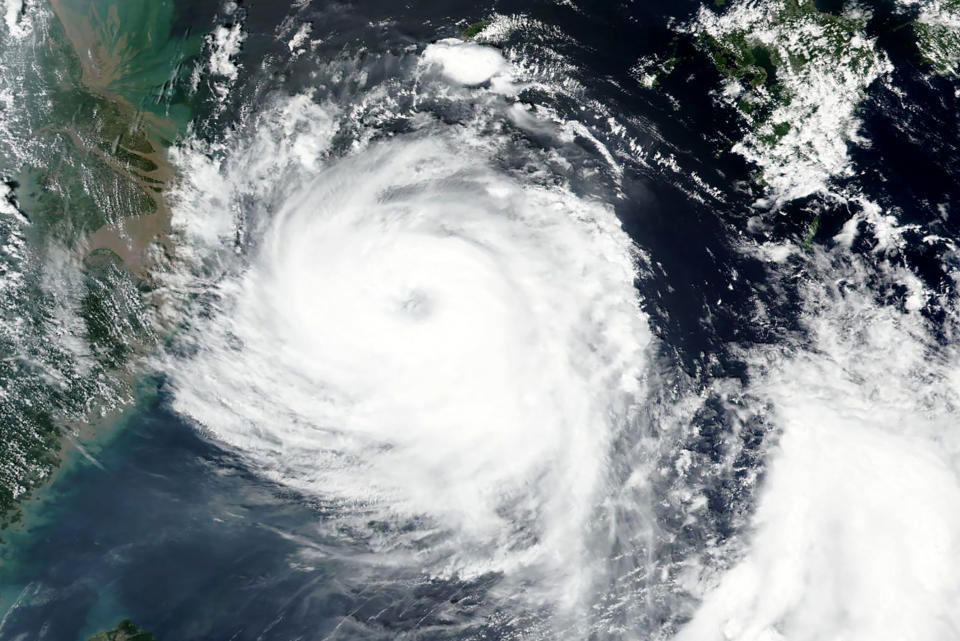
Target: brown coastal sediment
101, 64
105, 138
137, 154
145, 163
131, 238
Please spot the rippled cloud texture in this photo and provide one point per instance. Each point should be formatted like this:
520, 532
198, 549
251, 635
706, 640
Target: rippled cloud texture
423, 340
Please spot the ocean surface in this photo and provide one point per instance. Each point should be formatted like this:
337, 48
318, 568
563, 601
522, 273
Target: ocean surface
170, 531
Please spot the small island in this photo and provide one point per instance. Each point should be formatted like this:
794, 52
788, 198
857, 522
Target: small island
123, 631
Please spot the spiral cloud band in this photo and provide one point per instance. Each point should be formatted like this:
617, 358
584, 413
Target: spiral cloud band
423, 336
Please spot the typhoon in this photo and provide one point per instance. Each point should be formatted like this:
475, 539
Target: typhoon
434, 343
325, 321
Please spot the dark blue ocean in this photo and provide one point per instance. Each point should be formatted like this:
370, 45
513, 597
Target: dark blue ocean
171, 532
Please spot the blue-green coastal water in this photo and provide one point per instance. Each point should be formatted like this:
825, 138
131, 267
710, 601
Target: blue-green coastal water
171, 532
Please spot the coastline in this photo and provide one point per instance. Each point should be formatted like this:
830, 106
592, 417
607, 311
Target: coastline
118, 104
78, 448
106, 48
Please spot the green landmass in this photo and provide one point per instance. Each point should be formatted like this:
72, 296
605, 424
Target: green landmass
795, 74
937, 30
123, 631
740, 51
102, 91
472, 30
653, 70
112, 309
811, 233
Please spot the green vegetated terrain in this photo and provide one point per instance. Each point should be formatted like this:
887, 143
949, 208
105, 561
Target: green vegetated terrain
472, 30
937, 29
786, 59
770, 49
83, 166
124, 631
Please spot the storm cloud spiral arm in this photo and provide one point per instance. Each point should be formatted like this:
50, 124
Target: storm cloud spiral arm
422, 336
